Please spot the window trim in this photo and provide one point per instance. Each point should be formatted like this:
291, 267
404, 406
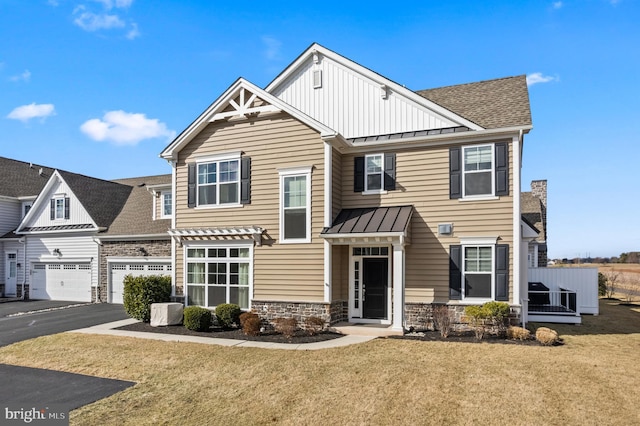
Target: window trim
380, 190
293, 172
26, 207
491, 273
65, 207
163, 194
229, 156
491, 171
206, 245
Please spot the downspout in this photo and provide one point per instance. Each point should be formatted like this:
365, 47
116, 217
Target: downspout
23, 240
97, 287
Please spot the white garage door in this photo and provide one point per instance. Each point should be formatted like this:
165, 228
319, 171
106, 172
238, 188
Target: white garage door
61, 281
118, 271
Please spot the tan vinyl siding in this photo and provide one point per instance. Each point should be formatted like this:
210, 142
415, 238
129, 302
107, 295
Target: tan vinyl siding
422, 180
340, 273
288, 272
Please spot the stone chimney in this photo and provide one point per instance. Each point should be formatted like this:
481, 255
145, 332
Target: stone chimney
539, 190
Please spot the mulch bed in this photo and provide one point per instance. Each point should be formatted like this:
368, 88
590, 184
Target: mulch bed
236, 334
464, 337
304, 337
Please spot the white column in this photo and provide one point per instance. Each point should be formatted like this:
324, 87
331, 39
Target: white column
398, 286
328, 217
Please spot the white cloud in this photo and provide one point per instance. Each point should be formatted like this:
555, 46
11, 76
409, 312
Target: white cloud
133, 32
25, 113
110, 4
538, 77
90, 21
25, 76
273, 46
557, 4
123, 128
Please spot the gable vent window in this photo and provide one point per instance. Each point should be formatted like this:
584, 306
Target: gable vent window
317, 79
59, 208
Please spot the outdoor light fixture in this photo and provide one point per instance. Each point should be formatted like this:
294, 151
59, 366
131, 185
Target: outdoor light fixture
143, 251
56, 252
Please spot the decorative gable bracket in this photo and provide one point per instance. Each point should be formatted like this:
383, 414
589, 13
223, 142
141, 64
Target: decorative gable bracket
244, 105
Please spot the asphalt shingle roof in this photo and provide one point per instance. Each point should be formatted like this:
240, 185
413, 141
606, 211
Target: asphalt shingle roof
491, 104
135, 218
531, 211
22, 179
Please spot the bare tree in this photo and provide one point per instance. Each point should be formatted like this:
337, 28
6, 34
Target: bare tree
612, 277
631, 288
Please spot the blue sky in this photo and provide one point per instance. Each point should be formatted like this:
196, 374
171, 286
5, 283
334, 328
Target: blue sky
100, 87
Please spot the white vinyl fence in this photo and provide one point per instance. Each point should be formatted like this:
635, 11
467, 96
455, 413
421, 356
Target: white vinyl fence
584, 281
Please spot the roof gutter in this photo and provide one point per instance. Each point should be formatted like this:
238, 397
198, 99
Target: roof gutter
442, 139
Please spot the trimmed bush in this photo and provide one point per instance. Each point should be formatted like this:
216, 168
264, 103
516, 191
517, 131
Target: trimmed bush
197, 318
228, 315
141, 292
518, 333
547, 336
250, 323
476, 317
490, 317
314, 325
286, 326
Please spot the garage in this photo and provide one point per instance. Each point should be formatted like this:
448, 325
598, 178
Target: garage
119, 270
61, 281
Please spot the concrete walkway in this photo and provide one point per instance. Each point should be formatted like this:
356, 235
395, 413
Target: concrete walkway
109, 329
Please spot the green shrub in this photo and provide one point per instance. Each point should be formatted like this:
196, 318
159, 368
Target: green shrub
197, 318
314, 325
492, 316
141, 292
286, 326
250, 323
228, 315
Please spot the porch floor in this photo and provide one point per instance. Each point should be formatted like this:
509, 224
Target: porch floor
550, 309
358, 329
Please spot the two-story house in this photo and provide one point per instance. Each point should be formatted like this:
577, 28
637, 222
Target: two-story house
338, 193
72, 237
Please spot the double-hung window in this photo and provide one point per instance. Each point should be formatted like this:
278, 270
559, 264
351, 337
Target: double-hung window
219, 182
374, 172
59, 207
167, 204
478, 271
478, 175
218, 275
295, 205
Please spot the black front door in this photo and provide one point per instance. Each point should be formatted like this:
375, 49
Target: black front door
375, 283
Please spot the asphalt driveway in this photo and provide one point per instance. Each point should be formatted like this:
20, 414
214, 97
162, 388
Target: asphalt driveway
22, 320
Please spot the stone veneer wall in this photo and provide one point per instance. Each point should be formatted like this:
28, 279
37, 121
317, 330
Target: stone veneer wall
153, 248
420, 316
331, 313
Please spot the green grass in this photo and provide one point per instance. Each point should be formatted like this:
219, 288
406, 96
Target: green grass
592, 379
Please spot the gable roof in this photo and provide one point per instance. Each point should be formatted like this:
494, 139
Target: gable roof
135, 216
247, 93
492, 104
531, 211
22, 179
102, 199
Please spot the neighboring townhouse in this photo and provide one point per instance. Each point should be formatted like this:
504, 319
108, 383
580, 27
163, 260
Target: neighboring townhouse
20, 183
534, 211
136, 243
336, 192
56, 224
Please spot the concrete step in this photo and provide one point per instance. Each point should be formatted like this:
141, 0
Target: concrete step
377, 330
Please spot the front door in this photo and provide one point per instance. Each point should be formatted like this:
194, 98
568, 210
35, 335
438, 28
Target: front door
11, 272
374, 288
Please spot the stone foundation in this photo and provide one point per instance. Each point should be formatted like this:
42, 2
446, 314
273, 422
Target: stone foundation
419, 316
331, 313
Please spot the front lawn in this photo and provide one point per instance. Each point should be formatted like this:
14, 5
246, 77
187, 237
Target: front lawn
591, 379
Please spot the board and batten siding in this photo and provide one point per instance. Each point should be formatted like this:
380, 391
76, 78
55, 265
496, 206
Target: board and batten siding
352, 103
282, 272
422, 180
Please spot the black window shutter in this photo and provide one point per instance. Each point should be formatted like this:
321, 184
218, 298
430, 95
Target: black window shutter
191, 181
502, 169
455, 272
245, 180
390, 172
66, 207
53, 209
358, 174
502, 272
455, 173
